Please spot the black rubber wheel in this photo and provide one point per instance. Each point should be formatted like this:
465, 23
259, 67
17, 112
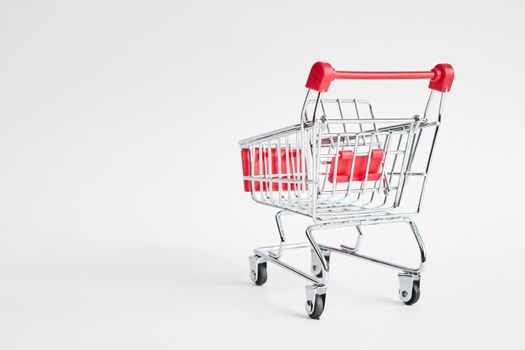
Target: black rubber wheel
320, 273
318, 307
415, 294
262, 274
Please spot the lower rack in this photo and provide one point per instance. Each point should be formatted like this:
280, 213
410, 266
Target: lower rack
409, 277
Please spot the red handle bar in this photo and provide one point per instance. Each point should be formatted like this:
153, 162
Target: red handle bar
322, 74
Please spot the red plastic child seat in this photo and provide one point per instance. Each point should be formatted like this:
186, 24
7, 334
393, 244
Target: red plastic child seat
344, 166
291, 156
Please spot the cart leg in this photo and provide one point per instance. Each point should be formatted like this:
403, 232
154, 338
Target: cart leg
410, 281
316, 294
319, 256
421, 245
316, 264
280, 229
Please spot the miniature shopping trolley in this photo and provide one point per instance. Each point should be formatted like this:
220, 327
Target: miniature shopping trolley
344, 167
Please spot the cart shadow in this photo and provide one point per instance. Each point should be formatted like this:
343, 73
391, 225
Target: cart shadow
293, 311
239, 291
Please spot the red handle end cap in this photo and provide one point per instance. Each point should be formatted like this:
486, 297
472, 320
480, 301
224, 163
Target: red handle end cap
444, 76
321, 75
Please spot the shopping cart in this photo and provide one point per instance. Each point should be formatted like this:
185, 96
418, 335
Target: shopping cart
343, 167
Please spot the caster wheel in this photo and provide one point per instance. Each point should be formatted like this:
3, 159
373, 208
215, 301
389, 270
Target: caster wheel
415, 295
258, 271
409, 287
314, 308
316, 267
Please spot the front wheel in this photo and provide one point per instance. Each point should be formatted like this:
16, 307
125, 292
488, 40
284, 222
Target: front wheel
315, 307
414, 297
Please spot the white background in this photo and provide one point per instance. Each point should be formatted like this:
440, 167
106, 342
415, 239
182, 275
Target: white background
123, 224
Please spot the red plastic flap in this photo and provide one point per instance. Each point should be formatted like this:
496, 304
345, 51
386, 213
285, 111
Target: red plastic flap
344, 166
245, 157
291, 156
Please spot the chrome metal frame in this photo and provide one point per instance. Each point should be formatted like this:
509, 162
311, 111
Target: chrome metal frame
301, 183
275, 253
